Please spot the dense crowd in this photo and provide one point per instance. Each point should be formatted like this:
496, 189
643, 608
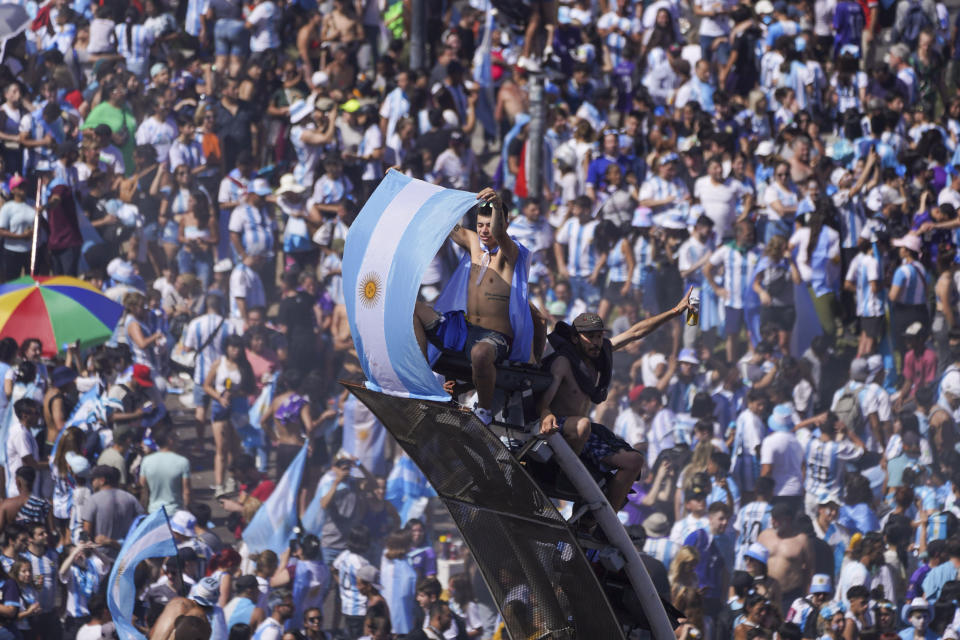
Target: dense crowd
200, 162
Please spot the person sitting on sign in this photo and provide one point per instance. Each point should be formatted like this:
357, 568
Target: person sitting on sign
483, 311
582, 367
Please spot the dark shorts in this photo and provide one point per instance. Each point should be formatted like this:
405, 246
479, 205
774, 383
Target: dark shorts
780, 317
601, 444
872, 326
454, 332
733, 321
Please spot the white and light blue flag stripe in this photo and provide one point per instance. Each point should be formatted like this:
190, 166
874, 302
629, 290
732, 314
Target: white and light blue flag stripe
151, 538
272, 525
390, 244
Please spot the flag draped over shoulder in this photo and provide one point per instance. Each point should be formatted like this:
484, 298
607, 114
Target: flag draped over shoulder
393, 240
151, 538
272, 525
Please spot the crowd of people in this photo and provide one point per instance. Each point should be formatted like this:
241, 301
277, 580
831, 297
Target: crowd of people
794, 164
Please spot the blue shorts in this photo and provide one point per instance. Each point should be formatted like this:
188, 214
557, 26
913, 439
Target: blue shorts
200, 398
455, 333
601, 444
733, 321
230, 37
170, 233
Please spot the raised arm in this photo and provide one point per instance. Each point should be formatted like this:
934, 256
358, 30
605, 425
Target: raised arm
645, 327
498, 224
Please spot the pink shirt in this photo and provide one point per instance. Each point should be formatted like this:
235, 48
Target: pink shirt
919, 370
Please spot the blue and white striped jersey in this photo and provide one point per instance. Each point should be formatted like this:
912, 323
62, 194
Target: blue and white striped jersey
352, 602
751, 520
864, 269
663, 549
683, 528
581, 252
198, 334
911, 277
256, 228
81, 583
737, 266
825, 468
134, 42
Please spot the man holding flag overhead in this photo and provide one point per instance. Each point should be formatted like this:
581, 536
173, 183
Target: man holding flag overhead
483, 311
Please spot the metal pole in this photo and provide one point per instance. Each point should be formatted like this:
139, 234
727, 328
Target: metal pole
36, 228
535, 134
606, 517
418, 32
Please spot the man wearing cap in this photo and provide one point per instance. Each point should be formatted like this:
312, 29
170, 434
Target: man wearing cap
873, 406
804, 611
310, 138
695, 507
579, 261
909, 289
582, 367
109, 512
658, 543
16, 230
781, 458
685, 383
280, 603
239, 609
200, 603
252, 229
128, 402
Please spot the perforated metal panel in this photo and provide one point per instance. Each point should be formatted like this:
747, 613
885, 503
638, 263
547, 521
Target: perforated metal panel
539, 577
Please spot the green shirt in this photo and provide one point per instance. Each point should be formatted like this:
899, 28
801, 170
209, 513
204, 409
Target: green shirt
164, 472
117, 120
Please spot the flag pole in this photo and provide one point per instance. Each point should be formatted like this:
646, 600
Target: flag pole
36, 227
182, 591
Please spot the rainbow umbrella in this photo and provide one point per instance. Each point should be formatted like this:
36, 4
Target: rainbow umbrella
58, 310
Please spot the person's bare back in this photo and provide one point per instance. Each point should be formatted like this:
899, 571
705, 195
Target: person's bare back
165, 626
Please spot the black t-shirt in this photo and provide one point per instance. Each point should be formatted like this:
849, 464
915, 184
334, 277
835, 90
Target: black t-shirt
234, 130
296, 313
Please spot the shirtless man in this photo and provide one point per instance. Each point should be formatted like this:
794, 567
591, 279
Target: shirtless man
791, 560
201, 603
566, 404
489, 332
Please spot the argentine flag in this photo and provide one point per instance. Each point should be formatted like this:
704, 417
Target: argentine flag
408, 489
390, 245
272, 525
151, 538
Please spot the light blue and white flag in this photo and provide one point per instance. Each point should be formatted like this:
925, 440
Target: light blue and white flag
272, 525
151, 538
390, 244
89, 411
408, 489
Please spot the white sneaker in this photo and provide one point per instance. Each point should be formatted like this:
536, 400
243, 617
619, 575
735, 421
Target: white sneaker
229, 485
484, 415
529, 64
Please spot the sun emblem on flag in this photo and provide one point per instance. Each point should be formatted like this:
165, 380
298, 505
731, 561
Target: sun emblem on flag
371, 290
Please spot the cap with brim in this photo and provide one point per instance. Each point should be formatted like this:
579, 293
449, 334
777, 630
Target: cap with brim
16, 181
588, 322
320, 78
917, 604
324, 104
668, 158
765, 148
187, 554
351, 106
300, 110
694, 493
874, 364
369, 573
764, 7
820, 583
911, 241
142, 375
781, 418
79, 465
837, 175
688, 356
656, 525
62, 376
260, 187
758, 552
289, 184
206, 592
859, 369
634, 394
245, 583
184, 523
951, 383
157, 69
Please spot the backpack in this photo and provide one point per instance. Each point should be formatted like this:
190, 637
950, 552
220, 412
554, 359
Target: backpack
914, 22
847, 408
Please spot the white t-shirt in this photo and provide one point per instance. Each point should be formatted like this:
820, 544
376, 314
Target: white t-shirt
372, 140
20, 444
264, 35
719, 202
783, 451
90, 632
17, 217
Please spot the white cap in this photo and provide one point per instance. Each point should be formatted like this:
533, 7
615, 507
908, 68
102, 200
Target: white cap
765, 148
951, 383
183, 523
319, 78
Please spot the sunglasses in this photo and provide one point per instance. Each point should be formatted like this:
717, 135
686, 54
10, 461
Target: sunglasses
315, 619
